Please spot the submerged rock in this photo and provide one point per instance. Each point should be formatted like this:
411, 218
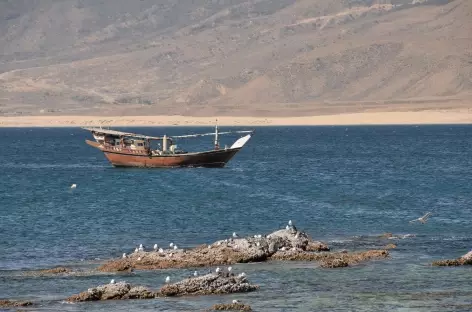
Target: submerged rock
229, 251
210, 284
230, 307
464, 260
121, 290
14, 304
333, 263
331, 259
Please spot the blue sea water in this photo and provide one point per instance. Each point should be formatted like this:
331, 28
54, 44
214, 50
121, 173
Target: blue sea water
343, 185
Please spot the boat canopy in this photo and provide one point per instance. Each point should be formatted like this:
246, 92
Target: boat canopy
146, 137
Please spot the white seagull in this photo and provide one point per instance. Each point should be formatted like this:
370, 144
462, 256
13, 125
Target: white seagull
217, 270
235, 301
73, 186
242, 274
229, 269
161, 250
287, 227
235, 235
141, 247
171, 245
422, 219
124, 255
167, 279
136, 249
175, 247
155, 247
195, 273
112, 281
290, 222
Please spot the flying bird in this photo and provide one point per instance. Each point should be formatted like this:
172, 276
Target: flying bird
422, 219
73, 186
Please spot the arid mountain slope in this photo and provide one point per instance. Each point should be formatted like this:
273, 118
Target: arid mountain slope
233, 57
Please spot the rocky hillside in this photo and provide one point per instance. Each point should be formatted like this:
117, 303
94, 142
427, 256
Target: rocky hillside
233, 57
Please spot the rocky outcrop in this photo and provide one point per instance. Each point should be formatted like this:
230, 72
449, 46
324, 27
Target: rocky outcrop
464, 260
121, 290
14, 304
230, 307
229, 251
210, 284
331, 259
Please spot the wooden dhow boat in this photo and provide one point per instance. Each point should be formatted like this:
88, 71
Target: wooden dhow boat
124, 149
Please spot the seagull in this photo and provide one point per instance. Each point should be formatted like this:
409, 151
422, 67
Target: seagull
112, 281
175, 247
290, 222
161, 250
136, 249
229, 269
217, 270
422, 219
235, 235
171, 245
155, 246
167, 279
124, 255
73, 186
235, 301
242, 274
287, 227
141, 247
195, 273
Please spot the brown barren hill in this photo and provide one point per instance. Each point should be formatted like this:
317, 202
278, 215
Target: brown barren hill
234, 58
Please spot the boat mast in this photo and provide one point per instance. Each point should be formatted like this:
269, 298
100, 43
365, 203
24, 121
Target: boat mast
216, 136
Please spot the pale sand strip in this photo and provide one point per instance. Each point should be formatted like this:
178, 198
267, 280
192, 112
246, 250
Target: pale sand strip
463, 116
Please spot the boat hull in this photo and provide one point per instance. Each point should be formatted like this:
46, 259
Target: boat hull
212, 159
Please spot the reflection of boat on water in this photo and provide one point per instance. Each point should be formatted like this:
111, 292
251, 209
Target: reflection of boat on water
125, 149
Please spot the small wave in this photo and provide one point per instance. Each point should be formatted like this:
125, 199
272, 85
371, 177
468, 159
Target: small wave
47, 166
340, 241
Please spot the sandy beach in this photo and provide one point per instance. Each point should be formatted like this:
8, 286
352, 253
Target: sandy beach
460, 116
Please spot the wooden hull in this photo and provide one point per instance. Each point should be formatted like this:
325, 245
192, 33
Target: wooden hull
126, 158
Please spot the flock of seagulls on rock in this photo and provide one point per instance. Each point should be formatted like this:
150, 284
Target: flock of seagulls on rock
289, 227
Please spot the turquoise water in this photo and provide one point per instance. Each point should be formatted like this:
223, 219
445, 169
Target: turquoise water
343, 185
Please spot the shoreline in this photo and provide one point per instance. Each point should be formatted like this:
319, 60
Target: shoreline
460, 116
